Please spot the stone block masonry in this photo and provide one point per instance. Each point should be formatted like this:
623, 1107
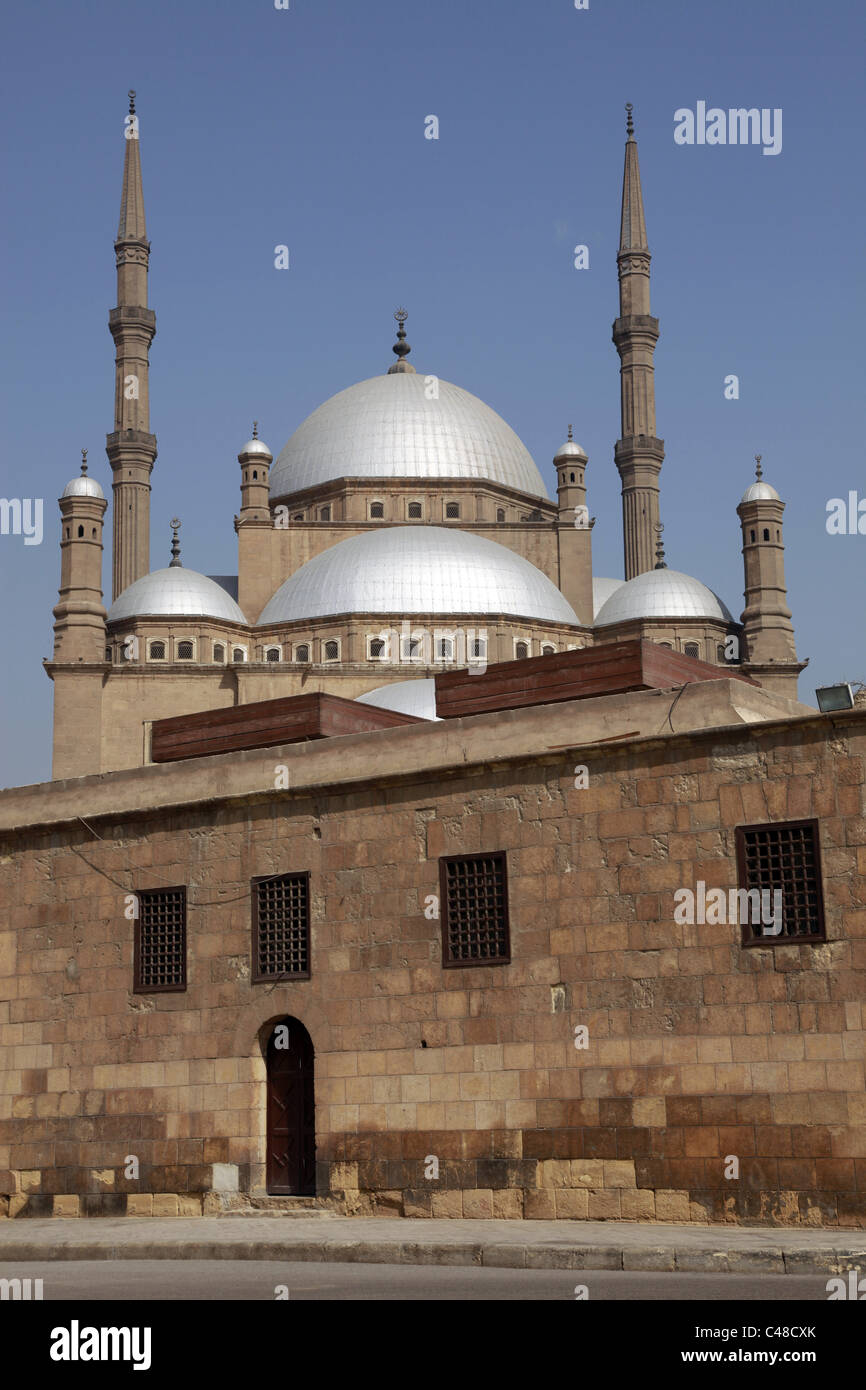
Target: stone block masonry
697, 1050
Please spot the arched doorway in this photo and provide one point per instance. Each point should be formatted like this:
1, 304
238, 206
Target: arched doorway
291, 1114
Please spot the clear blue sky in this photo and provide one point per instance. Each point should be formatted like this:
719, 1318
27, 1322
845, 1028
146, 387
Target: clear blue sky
306, 127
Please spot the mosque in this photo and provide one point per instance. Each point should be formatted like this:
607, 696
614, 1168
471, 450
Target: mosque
371, 854
404, 528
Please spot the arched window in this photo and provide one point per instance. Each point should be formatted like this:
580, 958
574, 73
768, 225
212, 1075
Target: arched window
778, 535
571, 477
239, 656
255, 473
752, 534
521, 650
81, 530
479, 647
766, 534
377, 649
67, 533
693, 649
452, 510
666, 645
500, 514
184, 651
302, 653
299, 516
414, 509
548, 650
156, 651
325, 514
377, 511
332, 651
273, 654
445, 649
107, 653
219, 651
93, 532
720, 653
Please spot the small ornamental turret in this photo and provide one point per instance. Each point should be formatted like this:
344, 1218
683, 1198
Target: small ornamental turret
79, 629
768, 633
401, 347
255, 459
574, 527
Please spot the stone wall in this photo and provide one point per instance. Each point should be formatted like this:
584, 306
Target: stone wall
697, 1048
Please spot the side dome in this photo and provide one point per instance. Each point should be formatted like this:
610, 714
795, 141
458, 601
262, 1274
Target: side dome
83, 486
387, 427
662, 593
405, 697
175, 592
401, 570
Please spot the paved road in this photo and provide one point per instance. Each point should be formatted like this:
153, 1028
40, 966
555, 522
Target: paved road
255, 1280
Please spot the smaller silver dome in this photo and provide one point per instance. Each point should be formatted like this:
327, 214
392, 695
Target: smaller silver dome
255, 446
175, 592
416, 697
83, 486
662, 593
761, 492
571, 450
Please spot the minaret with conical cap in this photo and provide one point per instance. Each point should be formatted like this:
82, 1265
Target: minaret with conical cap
638, 454
131, 448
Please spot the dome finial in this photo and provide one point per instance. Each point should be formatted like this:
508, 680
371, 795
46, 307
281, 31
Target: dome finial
401, 347
131, 102
255, 429
175, 543
660, 549
571, 434
84, 462
759, 472
629, 127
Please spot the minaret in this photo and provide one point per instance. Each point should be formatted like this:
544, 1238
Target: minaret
574, 528
768, 633
131, 448
638, 454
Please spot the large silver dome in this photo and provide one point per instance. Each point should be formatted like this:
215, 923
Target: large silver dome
662, 593
175, 592
401, 570
416, 697
760, 492
387, 428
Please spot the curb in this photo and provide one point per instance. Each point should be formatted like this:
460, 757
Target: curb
492, 1255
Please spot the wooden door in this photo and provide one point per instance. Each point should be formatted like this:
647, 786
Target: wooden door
291, 1118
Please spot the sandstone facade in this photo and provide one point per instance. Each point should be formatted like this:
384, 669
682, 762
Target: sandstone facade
698, 1049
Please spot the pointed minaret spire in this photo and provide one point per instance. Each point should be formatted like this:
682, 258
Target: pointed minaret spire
638, 454
131, 448
175, 543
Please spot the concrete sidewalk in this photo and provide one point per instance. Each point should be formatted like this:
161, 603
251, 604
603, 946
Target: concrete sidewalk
503, 1244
